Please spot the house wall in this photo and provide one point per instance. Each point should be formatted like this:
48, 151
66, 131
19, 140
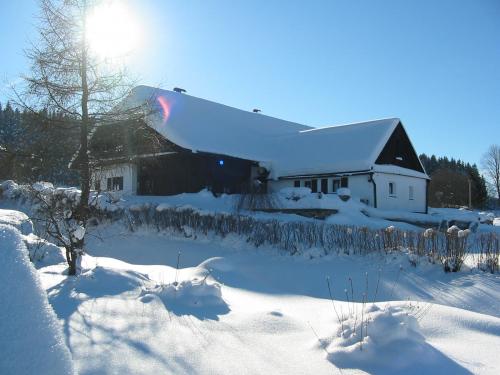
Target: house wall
362, 189
126, 170
359, 185
400, 200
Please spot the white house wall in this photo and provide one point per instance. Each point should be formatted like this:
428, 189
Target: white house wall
127, 171
400, 200
359, 185
362, 189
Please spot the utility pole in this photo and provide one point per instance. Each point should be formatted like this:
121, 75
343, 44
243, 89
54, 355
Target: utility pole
470, 193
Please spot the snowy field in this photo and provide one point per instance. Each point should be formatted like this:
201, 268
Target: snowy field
232, 309
157, 302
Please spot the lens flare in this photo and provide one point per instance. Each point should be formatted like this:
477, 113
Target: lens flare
165, 108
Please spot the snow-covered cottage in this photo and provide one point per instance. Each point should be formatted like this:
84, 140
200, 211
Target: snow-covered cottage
201, 144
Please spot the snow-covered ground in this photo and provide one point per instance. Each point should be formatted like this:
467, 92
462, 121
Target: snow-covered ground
156, 302
230, 308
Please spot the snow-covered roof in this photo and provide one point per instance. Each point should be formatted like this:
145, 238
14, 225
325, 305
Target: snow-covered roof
284, 147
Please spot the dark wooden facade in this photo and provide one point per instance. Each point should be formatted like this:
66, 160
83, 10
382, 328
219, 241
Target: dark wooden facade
399, 151
164, 168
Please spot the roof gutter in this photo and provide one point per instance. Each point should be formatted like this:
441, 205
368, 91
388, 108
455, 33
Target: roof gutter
319, 175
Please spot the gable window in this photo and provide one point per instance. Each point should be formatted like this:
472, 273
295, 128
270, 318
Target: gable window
115, 183
335, 185
344, 182
392, 189
296, 183
324, 185
411, 193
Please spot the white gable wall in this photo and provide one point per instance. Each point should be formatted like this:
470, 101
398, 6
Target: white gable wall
400, 200
126, 170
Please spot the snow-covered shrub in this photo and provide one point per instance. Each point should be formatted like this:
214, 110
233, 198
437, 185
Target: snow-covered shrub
16, 219
374, 340
488, 258
295, 193
456, 248
42, 252
486, 217
344, 194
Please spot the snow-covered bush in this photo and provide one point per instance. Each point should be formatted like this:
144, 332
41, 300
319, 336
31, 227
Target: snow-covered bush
456, 248
42, 252
380, 336
295, 193
344, 194
488, 258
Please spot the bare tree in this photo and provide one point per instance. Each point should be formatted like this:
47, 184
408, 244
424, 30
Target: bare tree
67, 78
491, 165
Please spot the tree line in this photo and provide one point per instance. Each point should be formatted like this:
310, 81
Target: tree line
449, 186
37, 146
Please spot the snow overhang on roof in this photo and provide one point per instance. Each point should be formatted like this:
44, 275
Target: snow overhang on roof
284, 147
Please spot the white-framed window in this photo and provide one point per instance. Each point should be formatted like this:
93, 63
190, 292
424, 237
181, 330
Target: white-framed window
392, 189
411, 193
335, 185
114, 183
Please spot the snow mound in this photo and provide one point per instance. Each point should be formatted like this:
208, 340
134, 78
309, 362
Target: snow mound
196, 297
391, 338
17, 219
42, 252
31, 338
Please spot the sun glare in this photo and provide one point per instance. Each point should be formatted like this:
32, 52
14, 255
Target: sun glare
112, 30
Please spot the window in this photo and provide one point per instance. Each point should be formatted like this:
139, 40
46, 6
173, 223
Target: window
296, 183
314, 186
410, 193
344, 182
307, 183
335, 185
392, 189
324, 185
115, 183
97, 185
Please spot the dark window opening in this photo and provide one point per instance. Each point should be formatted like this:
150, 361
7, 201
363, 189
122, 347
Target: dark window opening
115, 183
344, 182
324, 185
296, 183
97, 185
335, 186
307, 184
392, 189
314, 187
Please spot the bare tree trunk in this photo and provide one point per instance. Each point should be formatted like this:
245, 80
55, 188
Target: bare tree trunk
84, 133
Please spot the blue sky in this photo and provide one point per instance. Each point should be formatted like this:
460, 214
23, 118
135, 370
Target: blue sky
434, 64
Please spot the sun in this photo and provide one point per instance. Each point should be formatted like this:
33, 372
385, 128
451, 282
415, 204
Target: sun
112, 30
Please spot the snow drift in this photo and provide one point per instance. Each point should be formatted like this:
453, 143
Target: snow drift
31, 339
